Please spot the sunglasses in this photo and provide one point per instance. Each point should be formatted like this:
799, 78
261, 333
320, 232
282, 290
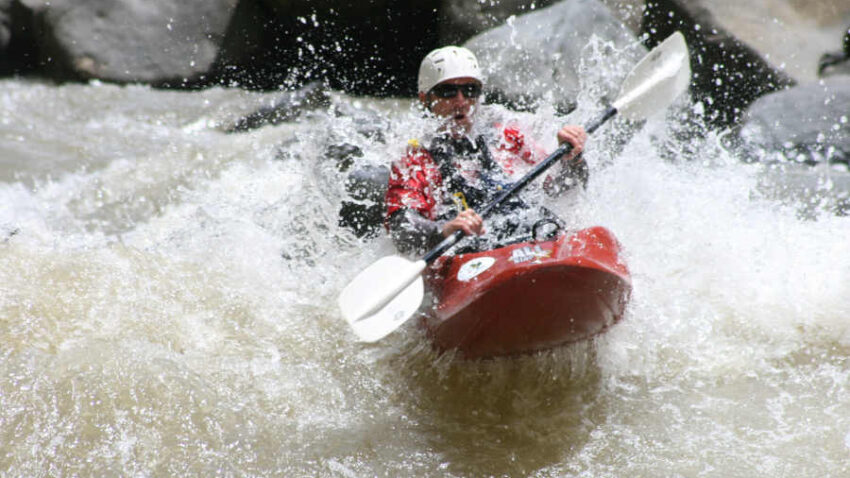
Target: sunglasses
470, 90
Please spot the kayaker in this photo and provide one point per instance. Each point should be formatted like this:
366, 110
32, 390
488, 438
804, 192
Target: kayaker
434, 191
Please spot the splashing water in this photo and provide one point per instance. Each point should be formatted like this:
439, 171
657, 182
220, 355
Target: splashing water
167, 308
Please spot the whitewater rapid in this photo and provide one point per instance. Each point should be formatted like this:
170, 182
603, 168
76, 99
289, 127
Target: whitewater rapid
167, 307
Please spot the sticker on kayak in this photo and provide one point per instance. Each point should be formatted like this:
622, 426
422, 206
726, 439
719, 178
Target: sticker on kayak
474, 268
528, 253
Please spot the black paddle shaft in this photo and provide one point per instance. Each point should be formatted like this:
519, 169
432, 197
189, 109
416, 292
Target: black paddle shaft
563, 149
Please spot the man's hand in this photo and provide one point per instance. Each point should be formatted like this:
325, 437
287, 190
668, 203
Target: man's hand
467, 221
576, 136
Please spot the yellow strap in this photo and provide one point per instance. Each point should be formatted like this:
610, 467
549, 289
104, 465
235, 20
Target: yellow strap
460, 201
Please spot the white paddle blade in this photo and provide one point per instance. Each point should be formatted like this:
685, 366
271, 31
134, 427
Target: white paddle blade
378, 325
660, 77
378, 286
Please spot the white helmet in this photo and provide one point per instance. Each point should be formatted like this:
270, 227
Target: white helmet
445, 64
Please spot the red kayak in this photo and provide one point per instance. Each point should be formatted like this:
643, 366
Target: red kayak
529, 296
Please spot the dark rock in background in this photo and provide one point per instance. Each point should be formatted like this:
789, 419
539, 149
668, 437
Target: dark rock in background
286, 108
343, 154
5, 25
805, 124
728, 74
539, 55
149, 41
629, 12
463, 19
371, 48
836, 63
364, 213
360, 47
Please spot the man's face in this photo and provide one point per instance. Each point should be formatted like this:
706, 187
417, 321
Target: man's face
456, 101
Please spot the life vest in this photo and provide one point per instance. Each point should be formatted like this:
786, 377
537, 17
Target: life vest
490, 181
427, 180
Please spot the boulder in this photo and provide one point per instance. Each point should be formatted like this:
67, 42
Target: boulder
742, 50
372, 48
811, 190
789, 35
363, 210
629, 12
286, 108
838, 62
148, 41
286, 8
463, 19
5, 25
805, 124
728, 74
551, 53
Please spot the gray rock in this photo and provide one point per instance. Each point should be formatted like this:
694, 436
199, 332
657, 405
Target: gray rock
306, 7
728, 74
363, 213
5, 25
836, 63
286, 108
150, 41
7, 232
360, 47
805, 124
630, 12
548, 54
463, 19
810, 189
789, 35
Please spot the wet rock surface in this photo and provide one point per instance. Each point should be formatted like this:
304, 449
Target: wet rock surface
5, 24
463, 19
728, 74
805, 124
287, 108
148, 41
539, 55
836, 62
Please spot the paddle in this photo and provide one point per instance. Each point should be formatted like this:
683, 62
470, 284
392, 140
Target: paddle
388, 292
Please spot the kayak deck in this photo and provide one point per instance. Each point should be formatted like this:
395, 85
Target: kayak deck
528, 297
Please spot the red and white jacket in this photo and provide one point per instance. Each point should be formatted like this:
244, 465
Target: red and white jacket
416, 183
418, 198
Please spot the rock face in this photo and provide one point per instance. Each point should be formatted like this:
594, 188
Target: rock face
742, 50
463, 19
806, 124
149, 41
548, 53
287, 108
5, 24
727, 73
630, 12
836, 63
362, 47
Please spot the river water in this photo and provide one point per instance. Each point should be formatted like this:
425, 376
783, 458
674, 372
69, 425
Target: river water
167, 308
